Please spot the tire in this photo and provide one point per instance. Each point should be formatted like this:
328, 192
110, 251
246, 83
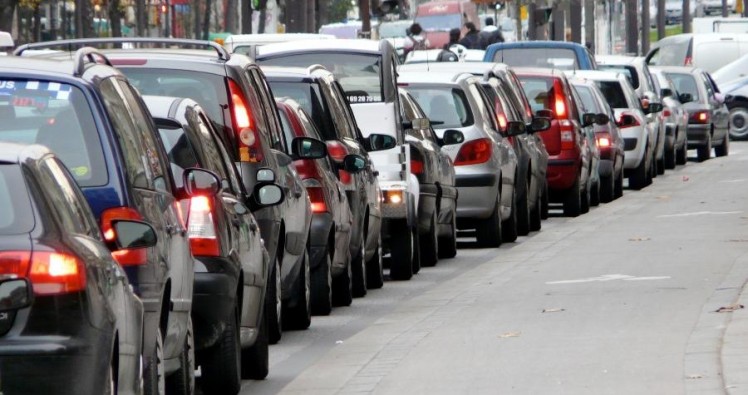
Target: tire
739, 122
321, 285
342, 287
545, 202
586, 198
182, 382
299, 317
375, 269
274, 304
358, 271
682, 156
402, 251
154, 379
488, 232
618, 189
256, 358
573, 200
660, 170
523, 211
607, 189
429, 243
448, 244
670, 158
535, 215
638, 179
704, 152
221, 365
595, 194
724, 148
510, 227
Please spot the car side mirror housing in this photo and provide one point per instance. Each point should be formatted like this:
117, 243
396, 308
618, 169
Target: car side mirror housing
201, 182
654, 107
452, 137
588, 119
354, 163
265, 175
626, 120
132, 234
685, 98
379, 142
15, 294
266, 195
540, 124
666, 92
308, 148
602, 119
545, 114
515, 128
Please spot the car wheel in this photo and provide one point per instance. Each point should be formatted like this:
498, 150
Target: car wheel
660, 170
358, 270
739, 123
448, 244
510, 227
429, 243
375, 269
682, 156
183, 380
586, 192
221, 365
536, 215
154, 376
321, 284
299, 317
724, 148
618, 190
274, 303
523, 211
342, 287
545, 201
704, 152
638, 179
255, 363
573, 200
670, 154
488, 232
607, 189
402, 251
595, 194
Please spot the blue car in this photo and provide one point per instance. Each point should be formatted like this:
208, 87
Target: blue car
543, 54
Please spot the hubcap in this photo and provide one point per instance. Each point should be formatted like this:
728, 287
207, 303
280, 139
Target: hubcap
739, 122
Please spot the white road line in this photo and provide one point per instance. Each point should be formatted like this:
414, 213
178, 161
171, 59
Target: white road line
697, 213
609, 277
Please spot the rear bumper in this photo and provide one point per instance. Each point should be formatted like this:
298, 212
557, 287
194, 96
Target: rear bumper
212, 304
698, 135
562, 173
477, 195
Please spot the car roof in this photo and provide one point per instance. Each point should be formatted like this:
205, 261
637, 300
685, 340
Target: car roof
679, 69
17, 153
596, 75
63, 66
436, 77
465, 67
302, 72
305, 46
538, 71
535, 44
270, 38
162, 106
616, 59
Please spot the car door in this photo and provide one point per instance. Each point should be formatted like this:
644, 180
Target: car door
720, 114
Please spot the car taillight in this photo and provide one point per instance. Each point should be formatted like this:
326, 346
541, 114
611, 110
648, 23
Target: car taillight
306, 168
250, 148
501, 118
566, 130
201, 228
474, 152
688, 61
416, 166
603, 140
666, 113
317, 197
560, 100
50, 273
701, 117
631, 125
125, 257
338, 152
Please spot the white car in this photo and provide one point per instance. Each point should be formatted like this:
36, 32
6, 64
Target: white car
245, 43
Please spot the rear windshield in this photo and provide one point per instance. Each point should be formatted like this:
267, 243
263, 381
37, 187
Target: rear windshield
628, 71
359, 75
182, 155
208, 90
445, 107
588, 100
613, 93
539, 91
685, 83
671, 53
16, 215
58, 116
310, 99
557, 58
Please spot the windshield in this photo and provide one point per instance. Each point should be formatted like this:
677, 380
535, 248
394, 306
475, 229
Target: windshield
671, 53
539, 92
58, 116
16, 215
359, 75
558, 58
685, 83
434, 23
445, 107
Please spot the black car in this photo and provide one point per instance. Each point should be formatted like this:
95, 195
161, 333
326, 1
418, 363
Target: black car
69, 320
97, 124
231, 259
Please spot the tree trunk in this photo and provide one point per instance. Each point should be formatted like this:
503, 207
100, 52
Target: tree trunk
311, 16
141, 18
686, 16
323, 7
229, 23
206, 20
296, 14
37, 33
364, 7
575, 20
645, 27
589, 24
115, 18
632, 27
661, 19
196, 10
246, 16
7, 8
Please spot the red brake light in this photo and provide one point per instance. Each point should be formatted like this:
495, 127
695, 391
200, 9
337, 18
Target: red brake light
631, 125
15, 262
250, 149
317, 197
699, 117
560, 101
50, 273
416, 166
666, 112
338, 152
126, 257
603, 140
201, 228
474, 152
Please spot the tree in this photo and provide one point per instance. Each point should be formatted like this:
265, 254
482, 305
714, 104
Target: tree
229, 23
7, 9
338, 10
115, 12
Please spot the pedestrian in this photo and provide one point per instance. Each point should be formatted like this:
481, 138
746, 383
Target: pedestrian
471, 39
446, 55
415, 39
490, 34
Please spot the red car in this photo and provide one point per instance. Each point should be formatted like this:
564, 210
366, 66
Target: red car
550, 95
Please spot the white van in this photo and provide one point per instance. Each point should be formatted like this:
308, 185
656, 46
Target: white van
708, 51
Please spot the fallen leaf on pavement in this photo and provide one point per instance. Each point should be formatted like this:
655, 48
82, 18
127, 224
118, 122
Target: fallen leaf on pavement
663, 197
685, 178
510, 334
552, 310
729, 308
639, 239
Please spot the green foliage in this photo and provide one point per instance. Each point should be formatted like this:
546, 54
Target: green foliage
339, 10
29, 4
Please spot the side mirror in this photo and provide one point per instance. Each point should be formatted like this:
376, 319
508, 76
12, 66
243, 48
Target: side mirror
515, 128
626, 120
666, 92
353, 163
545, 114
265, 175
588, 119
266, 195
380, 142
201, 182
654, 107
452, 137
685, 98
602, 119
308, 148
133, 234
540, 124
15, 294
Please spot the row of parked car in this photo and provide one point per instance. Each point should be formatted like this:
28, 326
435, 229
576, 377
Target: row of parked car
167, 208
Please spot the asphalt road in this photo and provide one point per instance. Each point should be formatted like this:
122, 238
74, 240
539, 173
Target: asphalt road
622, 300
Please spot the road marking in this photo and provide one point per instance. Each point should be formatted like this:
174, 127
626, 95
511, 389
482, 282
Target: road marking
697, 213
609, 277
733, 181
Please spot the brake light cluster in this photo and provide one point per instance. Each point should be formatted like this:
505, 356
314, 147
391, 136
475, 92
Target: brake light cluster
316, 196
699, 117
474, 152
559, 105
603, 140
250, 148
631, 125
337, 151
201, 227
125, 257
50, 273
566, 131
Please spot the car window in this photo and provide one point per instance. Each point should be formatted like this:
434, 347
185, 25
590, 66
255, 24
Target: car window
287, 129
685, 83
211, 154
628, 71
707, 85
613, 93
58, 116
446, 107
587, 99
539, 92
16, 213
179, 149
73, 216
269, 108
557, 58
337, 106
484, 105
308, 96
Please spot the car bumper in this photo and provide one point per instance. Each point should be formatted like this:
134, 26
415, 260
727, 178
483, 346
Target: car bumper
698, 135
213, 301
477, 195
634, 140
562, 173
319, 234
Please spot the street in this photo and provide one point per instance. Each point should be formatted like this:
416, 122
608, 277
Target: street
624, 300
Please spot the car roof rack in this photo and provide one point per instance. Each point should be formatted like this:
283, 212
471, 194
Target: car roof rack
220, 50
90, 54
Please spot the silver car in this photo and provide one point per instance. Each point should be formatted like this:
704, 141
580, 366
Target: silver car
676, 121
485, 162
